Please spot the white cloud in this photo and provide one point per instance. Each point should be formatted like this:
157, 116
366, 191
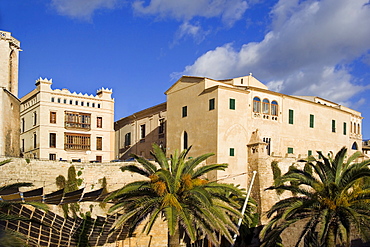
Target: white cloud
305, 52
82, 9
185, 10
193, 30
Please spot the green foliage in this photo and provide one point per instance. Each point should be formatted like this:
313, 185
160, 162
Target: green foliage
177, 190
28, 161
79, 181
69, 185
276, 172
104, 184
307, 168
12, 238
5, 162
331, 200
293, 182
60, 181
79, 173
82, 233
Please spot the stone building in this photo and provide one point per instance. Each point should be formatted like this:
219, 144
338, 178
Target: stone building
366, 147
9, 102
220, 116
60, 125
137, 132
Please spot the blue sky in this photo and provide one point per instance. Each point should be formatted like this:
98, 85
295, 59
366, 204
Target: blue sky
140, 48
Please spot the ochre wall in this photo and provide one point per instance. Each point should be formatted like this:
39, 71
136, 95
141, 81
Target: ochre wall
44, 173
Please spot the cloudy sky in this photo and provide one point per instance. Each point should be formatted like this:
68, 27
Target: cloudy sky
141, 47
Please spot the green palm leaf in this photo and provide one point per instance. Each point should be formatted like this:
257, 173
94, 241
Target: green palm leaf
333, 199
177, 191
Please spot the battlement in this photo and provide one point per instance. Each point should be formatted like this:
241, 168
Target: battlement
8, 36
104, 90
45, 85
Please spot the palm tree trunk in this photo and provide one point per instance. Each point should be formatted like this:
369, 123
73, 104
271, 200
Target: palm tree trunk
174, 241
331, 237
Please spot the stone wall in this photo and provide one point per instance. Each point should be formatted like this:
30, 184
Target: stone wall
44, 173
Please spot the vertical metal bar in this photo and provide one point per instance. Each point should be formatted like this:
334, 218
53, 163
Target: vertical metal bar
244, 206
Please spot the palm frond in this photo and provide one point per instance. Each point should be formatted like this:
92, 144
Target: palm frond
160, 156
3, 162
149, 166
208, 168
135, 169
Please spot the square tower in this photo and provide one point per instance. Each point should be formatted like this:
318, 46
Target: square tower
9, 102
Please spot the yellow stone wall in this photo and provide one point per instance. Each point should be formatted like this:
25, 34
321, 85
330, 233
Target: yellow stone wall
9, 103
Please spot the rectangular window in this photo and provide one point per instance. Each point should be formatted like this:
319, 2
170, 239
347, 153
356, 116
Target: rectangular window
77, 120
142, 131
291, 116
232, 104
98, 105
34, 118
232, 152
312, 121
211, 104
34, 140
99, 122
333, 126
73, 141
58, 100
344, 128
52, 140
70, 102
22, 147
65, 101
309, 153
161, 128
128, 139
184, 111
53, 117
23, 125
290, 150
99, 158
99, 143
52, 156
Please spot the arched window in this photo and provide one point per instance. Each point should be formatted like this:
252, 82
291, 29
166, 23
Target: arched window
266, 106
358, 129
185, 140
274, 108
256, 104
354, 146
12, 71
354, 128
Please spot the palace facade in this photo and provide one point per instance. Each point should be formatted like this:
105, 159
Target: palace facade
60, 125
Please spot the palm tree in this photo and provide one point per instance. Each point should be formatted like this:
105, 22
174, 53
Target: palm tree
178, 191
331, 200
